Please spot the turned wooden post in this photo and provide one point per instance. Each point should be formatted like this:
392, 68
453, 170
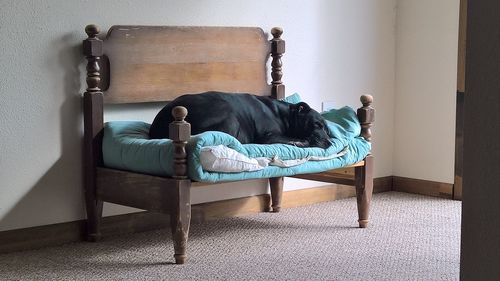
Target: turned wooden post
92, 49
366, 116
180, 212
277, 51
277, 92
179, 133
93, 125
364, 174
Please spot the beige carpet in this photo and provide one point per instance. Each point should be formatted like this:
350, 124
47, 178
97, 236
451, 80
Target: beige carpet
411, 237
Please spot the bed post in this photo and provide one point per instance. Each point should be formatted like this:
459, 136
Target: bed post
180, 212
366, 116
364, 174
277, 92
93, 125
277, 51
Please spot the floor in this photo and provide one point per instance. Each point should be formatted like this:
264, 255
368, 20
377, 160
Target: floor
410, 237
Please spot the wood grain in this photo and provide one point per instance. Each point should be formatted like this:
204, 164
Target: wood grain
343, 175
136, 190
329, 176
159, 63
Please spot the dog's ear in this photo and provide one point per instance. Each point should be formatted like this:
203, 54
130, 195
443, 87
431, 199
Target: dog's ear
302, 107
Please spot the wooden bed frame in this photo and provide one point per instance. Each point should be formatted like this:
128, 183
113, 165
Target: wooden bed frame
158, 63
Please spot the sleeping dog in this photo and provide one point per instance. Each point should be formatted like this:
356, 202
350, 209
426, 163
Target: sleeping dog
248, 118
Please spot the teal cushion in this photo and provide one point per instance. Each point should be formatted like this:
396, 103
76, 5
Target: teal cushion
343, 122
126, 146
295, 98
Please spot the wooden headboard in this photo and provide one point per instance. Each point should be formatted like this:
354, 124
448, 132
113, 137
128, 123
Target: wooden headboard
134, 64
159, 63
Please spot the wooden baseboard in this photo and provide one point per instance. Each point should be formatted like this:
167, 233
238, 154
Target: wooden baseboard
61, 233
423, 187
41, 236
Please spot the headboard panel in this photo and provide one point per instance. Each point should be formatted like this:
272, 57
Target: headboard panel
159, 63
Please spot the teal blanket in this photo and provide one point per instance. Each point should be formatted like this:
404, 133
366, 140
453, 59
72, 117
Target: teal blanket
126, 146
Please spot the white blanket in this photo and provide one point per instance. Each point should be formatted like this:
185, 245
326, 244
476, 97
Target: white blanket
224, 159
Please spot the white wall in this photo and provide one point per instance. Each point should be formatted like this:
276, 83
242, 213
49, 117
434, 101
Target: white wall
426, 78
336, 51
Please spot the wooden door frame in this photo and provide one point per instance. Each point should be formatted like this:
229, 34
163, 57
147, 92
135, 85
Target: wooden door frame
459, 123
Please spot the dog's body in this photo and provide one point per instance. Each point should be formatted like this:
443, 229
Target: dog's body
249, 118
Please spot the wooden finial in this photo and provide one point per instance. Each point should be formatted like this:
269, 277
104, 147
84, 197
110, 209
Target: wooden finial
366, 100
366, 116
179, 113
276, 32
92, 30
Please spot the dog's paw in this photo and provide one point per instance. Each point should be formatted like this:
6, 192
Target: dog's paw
299, 143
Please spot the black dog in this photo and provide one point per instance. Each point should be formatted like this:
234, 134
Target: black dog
249, 118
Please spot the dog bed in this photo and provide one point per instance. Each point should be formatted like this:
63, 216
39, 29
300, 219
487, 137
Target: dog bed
139, 64
216, 156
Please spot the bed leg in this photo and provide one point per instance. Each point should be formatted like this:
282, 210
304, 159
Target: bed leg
180, 198
93, 125
94, 215
180, 218
364, 190
276, 186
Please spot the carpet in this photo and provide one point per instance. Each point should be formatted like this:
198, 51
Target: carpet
410, 237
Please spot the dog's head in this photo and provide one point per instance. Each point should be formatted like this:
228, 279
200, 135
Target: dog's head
309, 125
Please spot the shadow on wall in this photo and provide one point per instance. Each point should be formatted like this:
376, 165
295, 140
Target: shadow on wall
61, 186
